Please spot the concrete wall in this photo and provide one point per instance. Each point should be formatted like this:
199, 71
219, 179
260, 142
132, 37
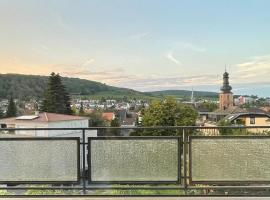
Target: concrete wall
33, 133
54, 133
67, 124
259, 121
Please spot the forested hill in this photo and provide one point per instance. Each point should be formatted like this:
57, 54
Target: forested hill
183, 94
32, 86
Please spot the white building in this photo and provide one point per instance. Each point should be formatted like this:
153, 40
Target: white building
48, 120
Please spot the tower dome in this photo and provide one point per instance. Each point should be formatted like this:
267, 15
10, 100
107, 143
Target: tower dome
226, 88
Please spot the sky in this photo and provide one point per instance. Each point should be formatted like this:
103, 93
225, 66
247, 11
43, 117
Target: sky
146, 45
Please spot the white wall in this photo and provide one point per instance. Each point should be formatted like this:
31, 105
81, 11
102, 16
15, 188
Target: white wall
67, 124
56, 133
34, 133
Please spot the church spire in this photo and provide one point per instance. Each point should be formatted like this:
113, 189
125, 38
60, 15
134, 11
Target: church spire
192, 96
226, 88
226, 96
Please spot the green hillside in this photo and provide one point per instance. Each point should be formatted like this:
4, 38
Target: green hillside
32, 86
183, 94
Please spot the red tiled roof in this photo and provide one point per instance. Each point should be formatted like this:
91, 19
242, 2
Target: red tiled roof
108, 116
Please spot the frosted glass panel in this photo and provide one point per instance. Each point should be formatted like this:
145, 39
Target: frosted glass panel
38, 160
230, 159
134, 160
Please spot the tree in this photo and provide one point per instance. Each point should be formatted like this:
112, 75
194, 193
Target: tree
96, 120
103, 99
115, 122
231, 131
167, 113
11, 109
1, 114
56, 99
208, 106
81, 111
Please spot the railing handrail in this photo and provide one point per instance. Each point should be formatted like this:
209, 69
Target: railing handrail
139, 127
184, 162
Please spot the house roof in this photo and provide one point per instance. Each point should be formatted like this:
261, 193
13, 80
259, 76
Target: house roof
129, 121
109, 116
42, 117
232, 117
230, 110
236, 110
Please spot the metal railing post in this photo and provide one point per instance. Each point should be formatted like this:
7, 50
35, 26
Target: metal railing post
185, 160
84, 171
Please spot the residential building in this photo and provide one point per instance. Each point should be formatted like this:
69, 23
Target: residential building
47, 120
249, 119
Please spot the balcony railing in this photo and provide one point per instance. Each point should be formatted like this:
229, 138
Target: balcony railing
152, 161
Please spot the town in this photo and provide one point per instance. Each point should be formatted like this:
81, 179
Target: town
134, 99
128, 112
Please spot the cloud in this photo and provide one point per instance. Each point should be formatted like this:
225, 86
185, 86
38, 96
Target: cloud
193, 47
159, 82
187, 46
254, 70
139, 36
171, 57
251, 73
87, 62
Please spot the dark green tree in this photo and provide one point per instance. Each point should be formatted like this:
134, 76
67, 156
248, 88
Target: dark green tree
56, 99
12, 108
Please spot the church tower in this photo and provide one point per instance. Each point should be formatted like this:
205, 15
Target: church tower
225, 96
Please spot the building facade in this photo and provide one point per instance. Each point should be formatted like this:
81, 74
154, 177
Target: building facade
48, 120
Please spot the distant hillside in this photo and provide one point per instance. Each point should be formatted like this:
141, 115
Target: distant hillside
29, 86
183, 94
32, 86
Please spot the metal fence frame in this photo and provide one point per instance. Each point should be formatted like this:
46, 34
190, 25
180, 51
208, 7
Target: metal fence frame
216, 182
49, 139
185, 178
178, 139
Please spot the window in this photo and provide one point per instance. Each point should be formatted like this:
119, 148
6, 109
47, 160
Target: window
3, 126
252, 120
